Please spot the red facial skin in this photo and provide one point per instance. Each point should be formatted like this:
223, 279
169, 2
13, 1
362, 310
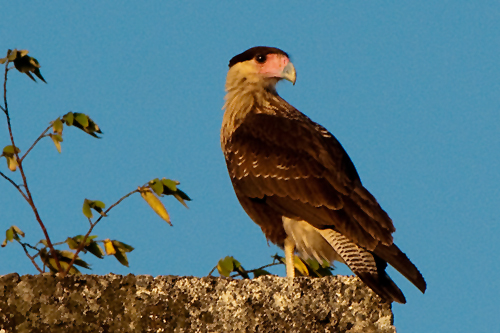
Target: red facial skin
273, 66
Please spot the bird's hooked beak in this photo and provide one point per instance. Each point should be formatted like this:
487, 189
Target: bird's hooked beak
288, 73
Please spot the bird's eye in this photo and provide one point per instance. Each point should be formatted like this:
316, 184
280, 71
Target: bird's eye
260, 58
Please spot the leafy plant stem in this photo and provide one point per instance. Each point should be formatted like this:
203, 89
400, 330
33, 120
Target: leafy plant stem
92, 225
21, 170
256, 269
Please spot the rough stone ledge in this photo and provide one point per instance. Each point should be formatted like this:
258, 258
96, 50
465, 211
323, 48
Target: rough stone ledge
116, 303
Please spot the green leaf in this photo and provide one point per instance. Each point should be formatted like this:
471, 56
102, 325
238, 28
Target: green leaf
37, 72
183, 195
225, 266
83, 122
82, 263
239, 269
86, 209
170, 184
95, 249
97, 206
157, 186
12, 233
64, 265
122, 258
82, 119
170, 188
92, 128
67, 256
79, 239
10, 150
259, 272
122, 246
312, 263
72, 244
57, 126
57, 139
26, 64
69, 118
9, 236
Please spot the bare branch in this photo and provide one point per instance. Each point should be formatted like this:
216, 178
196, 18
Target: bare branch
36, 141
15, 185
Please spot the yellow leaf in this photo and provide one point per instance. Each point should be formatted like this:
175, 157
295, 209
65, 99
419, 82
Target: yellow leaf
155, 204
12, 163
57, 143
300, 266
108, 246
17, 230
11, 55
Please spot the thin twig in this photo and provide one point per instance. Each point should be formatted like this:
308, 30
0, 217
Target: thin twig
213, 269
38, 218
5, 107
256, 269
32, 258
92, 225
36, 141
30, 246
15, 185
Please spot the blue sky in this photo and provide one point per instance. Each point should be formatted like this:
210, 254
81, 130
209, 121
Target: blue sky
411, 90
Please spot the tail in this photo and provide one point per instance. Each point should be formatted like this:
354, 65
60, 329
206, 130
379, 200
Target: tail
397, 259
367, 266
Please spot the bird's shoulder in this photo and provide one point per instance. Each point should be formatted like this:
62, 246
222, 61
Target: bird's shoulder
282, 133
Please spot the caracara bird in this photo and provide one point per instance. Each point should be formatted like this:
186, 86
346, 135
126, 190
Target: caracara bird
294, 179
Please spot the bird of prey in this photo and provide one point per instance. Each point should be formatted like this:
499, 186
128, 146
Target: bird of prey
295, 180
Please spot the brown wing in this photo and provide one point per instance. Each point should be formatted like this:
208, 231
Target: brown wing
299, 170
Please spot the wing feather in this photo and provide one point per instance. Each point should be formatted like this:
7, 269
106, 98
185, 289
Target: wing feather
302, 171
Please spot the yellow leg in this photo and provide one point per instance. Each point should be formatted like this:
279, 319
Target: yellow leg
289, 249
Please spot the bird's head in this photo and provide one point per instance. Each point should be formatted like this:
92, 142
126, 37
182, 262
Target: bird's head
260, 66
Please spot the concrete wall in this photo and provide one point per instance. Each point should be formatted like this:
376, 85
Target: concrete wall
115, 303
